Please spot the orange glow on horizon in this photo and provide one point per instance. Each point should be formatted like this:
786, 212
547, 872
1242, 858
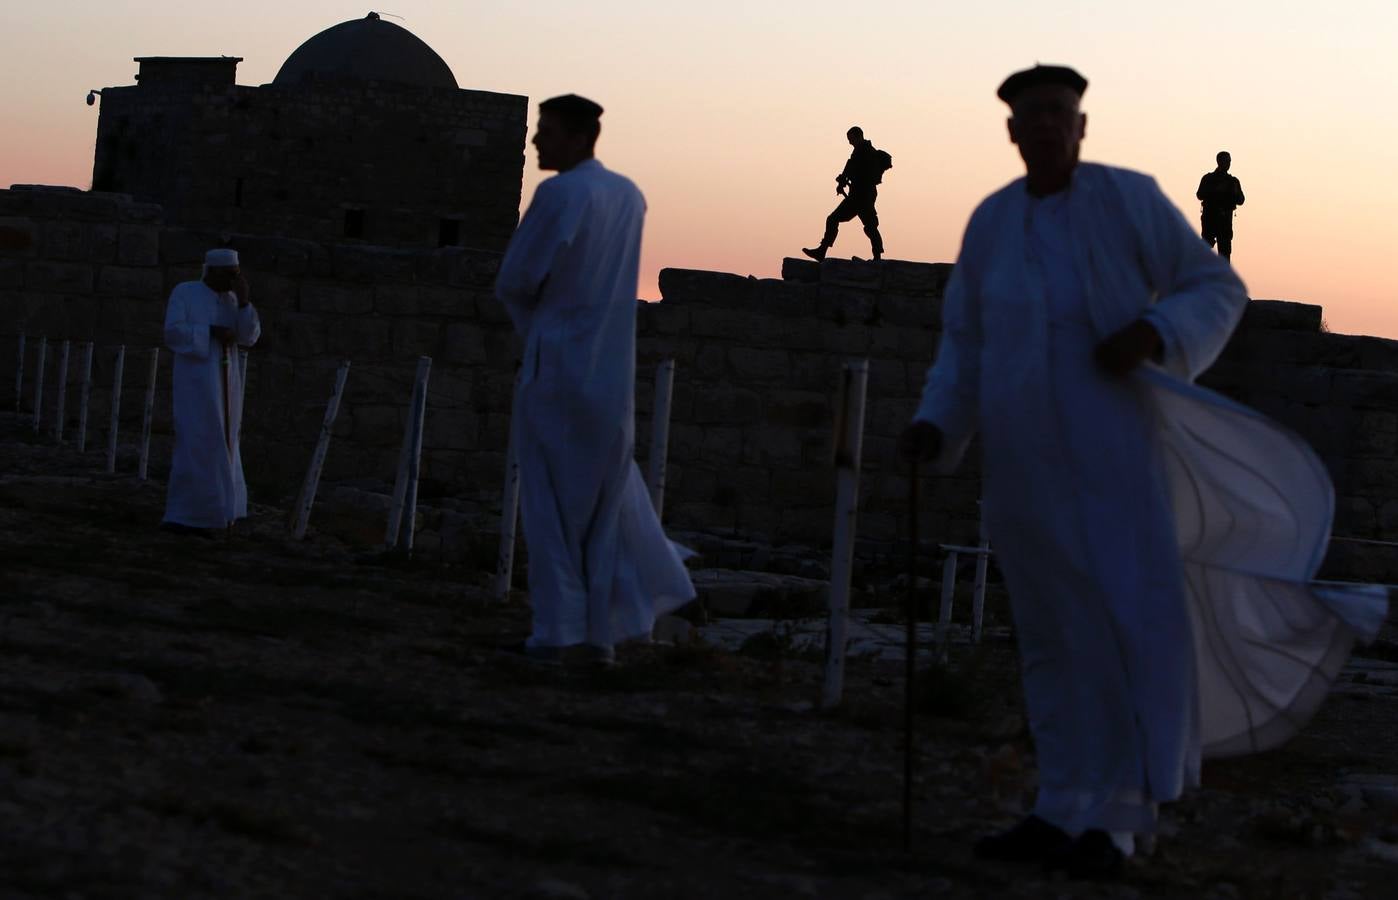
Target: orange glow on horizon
731, 118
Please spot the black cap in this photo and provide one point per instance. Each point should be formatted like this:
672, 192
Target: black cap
571, 106
1028, 78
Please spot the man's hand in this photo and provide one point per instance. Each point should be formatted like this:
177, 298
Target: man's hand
920, 442
1122, 352
221, 333
240, 290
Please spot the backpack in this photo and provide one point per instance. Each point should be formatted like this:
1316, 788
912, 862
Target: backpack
883, 161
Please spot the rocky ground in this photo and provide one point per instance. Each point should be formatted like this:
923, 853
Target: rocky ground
259, 717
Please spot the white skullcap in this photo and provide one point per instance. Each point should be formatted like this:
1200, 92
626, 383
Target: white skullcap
216, 258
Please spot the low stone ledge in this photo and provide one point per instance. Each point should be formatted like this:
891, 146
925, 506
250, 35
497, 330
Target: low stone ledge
1284, 315
698, 286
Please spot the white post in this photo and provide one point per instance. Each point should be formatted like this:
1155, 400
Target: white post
948, 593
116, 410
509, 517
62, 392
312, 482
400, 532
148, 414
660, 434
978, 598
19, 375
83, 394
242, 384
849, 440
39, 383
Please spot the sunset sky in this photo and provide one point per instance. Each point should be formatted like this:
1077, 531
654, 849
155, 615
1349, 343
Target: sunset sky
731, 115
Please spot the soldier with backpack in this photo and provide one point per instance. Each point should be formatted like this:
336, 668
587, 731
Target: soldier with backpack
858, 185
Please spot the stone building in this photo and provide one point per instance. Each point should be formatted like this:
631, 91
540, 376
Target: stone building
363, 136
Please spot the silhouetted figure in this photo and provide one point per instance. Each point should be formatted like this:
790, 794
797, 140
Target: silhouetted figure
206, 322
1220, 194
600, 567
1160, 588
858, 184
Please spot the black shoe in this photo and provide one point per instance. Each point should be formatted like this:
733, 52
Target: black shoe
815, 253
1032, 840
187, 530
1094, 856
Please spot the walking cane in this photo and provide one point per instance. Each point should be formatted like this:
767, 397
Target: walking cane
910, 660
227, 416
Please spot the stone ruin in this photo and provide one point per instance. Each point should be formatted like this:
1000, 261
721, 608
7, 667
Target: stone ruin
758, 360
363, 136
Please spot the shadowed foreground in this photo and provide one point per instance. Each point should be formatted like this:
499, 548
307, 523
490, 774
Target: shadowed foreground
254, 717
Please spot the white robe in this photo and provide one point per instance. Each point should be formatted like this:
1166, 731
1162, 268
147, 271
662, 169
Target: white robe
1158, 540
600, 566
206, 473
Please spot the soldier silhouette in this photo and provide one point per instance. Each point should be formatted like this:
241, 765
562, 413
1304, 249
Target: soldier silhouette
1220, 194
858, 185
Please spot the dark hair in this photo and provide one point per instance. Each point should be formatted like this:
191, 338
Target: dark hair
577, 114
855, 129
1222, 155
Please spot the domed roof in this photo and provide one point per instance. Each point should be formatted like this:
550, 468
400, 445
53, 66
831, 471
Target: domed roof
367, 49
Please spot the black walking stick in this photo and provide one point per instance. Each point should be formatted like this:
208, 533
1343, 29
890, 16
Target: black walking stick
910, 660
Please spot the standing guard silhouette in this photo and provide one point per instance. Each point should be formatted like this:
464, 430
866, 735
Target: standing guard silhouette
1220, 194
858, 185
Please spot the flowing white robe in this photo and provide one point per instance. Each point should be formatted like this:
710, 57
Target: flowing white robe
600, 566
1158, 540
206, 487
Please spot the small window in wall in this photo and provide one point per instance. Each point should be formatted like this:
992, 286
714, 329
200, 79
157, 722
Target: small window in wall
448, 232
354, 223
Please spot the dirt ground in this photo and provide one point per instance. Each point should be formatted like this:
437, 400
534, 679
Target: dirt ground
256, 717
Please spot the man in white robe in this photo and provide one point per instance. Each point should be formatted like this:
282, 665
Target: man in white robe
206, 322
1158, 541
600, 566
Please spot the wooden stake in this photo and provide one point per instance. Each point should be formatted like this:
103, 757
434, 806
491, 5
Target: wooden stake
509, 515
148, 414
948, 594
116, 410
849, 441
910, 661
19, 375
307, 498
978, 596
61, 411
403, 510
660, 434
39, 383
83, 395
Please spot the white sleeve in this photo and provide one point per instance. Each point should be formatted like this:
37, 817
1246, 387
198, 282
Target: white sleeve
182, 334
545, 232
247, 325
951, 394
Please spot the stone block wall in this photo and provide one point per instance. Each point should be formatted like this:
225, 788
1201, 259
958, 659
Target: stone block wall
758, 366
758, 370
87, 266
379, 164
